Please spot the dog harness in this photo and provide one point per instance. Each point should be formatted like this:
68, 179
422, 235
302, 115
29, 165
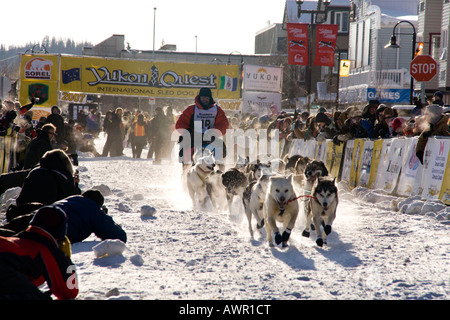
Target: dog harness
202, 178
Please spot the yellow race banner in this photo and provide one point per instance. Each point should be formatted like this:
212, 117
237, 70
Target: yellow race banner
147, 78
39, 79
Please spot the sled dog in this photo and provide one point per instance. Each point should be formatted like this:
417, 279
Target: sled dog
297, 165
313, 169
234, 181
196, 179
280, 205
323, 205
256, 170
253, 199
216, 190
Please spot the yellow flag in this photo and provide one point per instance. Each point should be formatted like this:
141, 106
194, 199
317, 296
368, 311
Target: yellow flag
344, 69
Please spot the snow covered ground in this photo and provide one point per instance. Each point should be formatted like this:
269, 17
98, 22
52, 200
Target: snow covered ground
381, 247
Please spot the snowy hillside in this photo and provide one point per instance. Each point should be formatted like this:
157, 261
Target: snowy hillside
374, 252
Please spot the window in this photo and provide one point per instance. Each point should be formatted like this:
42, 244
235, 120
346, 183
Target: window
435, 40
444, 35
422, 6
342, 19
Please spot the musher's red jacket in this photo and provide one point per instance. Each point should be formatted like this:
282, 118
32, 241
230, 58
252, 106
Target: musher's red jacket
186, 119
35, 253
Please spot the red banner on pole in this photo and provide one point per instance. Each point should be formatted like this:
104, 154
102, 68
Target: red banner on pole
297, 43
325, 44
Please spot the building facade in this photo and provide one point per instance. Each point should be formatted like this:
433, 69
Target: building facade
378, 72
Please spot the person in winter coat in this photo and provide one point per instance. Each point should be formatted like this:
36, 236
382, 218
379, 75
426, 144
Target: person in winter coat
39, 145
438, 98
52, 181
85, 213
437, 125
209, 114
57, 120
71, 141
37, 255
139, 133
159, 133
381, 130
352, 127
107, 128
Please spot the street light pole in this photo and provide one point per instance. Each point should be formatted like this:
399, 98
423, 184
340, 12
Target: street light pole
322, 8
393, 44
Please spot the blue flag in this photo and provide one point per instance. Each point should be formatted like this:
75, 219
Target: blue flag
70, 75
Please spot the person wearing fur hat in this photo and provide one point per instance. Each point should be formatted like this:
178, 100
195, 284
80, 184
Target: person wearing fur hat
38, 255
53, 180
436, 125
209, 114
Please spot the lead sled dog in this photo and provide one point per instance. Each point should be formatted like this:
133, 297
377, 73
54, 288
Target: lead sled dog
323, 205
280, 205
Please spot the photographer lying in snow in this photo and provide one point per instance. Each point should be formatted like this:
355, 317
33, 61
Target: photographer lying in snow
85, 213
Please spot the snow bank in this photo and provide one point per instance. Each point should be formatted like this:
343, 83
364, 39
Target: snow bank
410, 205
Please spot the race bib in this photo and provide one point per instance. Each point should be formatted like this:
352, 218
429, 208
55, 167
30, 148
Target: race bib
207, 117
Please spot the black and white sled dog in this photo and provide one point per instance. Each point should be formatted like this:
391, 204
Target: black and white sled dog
323, 205
280, 205
234, 181
257, 170
196, 179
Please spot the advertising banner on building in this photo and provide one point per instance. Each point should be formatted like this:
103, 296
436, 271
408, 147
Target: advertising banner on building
147, 78
385, 95
39, 80
434, 166
260, 102
326, 36
262, 78
297, 43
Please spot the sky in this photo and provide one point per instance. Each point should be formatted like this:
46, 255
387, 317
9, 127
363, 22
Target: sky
215, 26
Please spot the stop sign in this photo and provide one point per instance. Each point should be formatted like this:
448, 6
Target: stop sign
423, 68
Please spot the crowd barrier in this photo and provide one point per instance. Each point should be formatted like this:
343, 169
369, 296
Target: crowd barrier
387, 164
8, 146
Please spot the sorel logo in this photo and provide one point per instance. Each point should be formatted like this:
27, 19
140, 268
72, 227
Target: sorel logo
38, 68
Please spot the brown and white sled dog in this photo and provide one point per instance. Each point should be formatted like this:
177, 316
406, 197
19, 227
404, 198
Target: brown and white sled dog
196, 179
280, 205
323, 204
